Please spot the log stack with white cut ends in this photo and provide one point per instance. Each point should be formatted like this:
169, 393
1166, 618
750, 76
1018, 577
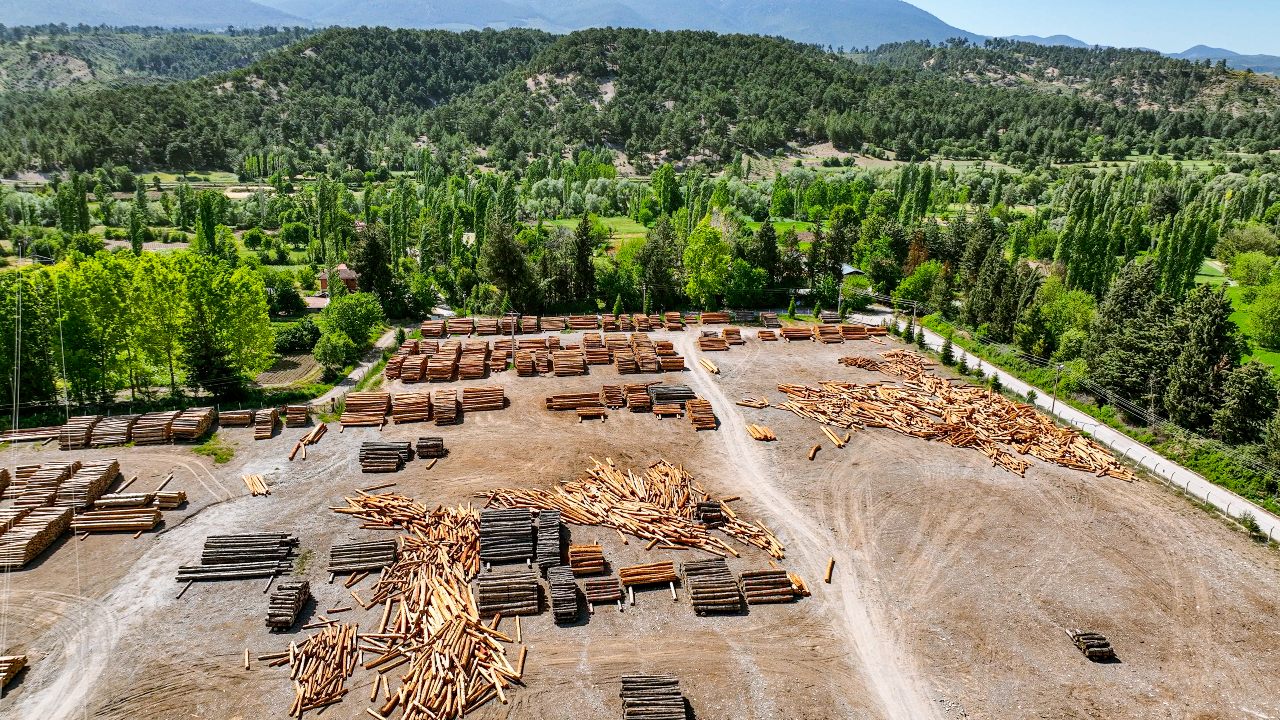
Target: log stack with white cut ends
114, 430
170, 499
411, 407
564, 594
192, 423
549, 547
511, 593
431, 447
460, 326
296, 416
34, 531
652, 697
444, 403
235, 418
384, 457
74, 434
286, 603
479, 399
369, 556
712, 587
40, 485
506, 535
586, 559
761, 587
1094, 646
368, 409
264, 423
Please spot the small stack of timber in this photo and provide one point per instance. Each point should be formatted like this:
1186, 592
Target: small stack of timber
597, 355
664, 348
829, 317
124, 500
442, 365
414, 368
647, 359
114, 430
691, 318
525, 364
584, 322
432, 328
233, 557
829, 334
670, 394
659, 573
567, 363
642, 322
711, 587
673, 321
854, 332
609, 322
74, 434
624, 361
535, 343
474, 361
573, 401
671, 363
553, 324
361, 557
710, 513
321, 665
365, 409
257, 485
154, 428
770, 320
548, 544
652, 697
264, 423
767, 336
530, 324
383, 457
611, 396
711, 343
87, 484
626, 323
460, 326
601, 591
617, 341
701, 414
506, 535
10, 517
116, 520
310, 438
5, 479
479, 399
508, 325
170, 499
762, 587
486, 326
1095, 646
193, 423
761, 433
715, 318
430, 447
235, 418
638, 399
10, 666
733, 335
512, 593
444, 403
499, 361
564, 595
797, 332
287, 601
411, 407
586, 559
31, 534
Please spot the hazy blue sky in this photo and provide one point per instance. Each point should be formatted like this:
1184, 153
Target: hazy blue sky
1247, 26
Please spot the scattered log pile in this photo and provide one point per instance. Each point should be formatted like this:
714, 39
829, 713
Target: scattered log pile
154, 428
193, 423
431, 447
797, 332
310, 438
733, 336
74, 434
767, 336
511, 593
701, 415
584, 322
384, 457
638, 400
659, 573
602, 590
652, 697
712, 343
761, 433
286, 602
432, 328
573, 401
586, 559
506, 535
264, 423
34, 530
611, 396
549, 539
410, 407
257, 485
321, 665
296, 416
444, 403
768, 586
365, 409
480, 399
361, 557
1094, 646
715, 318
114, 430
116, 520
564, 594
829, 334
657, 504
770, 320
711, 587
234, 557
459, 326
235, 418
566, 363
10, 666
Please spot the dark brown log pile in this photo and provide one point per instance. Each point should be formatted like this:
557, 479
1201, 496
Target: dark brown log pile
506, 535
431, 447
553, 324
511, 593
549, 547
234, 557
602, 590
638, 399
384, 457
1094, 646
670, 394
767, 336
711, 586
361, 557
712, 343
611, 396
829, 334
564, 594
673, 321
768, 586
583, 322
733, 336
287, 600
652, 697
566, 363
710, 513
573, 401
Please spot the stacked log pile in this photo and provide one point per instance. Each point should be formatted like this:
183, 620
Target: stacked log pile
602, 590
235, 418
442, 365
508, 325
234, 557
624, 361
566, 363
715, 318
34, 531
733, 336
1094, 646
770, 320
264, 423
652, 697
611, 396
525, 366
564, 594
671, 363
365, 409
5, 479
116, 520
74, 434
854, 332
670, 394
548, 545
432, 328
431, 447
321, 665
690, 318
88, 484
553, 324
609, 322
767, 336
710, 513
384, 457
797, 332
414, 368
711, 587
828, 317
506, 535
644, 323
410, 407
10, 666
761, 587
361, 557
510, 593
638, 399
474, 361
573, 401
170, 499
296, 416
659, 573
444, 403
586, 559
673, 321
584, 322
114, 430
124, 500
459, 326
39, 484
701, 415
656, 505
480, 399
712, 343
829, 334
597, 355
193, 423
286, 602
486, 326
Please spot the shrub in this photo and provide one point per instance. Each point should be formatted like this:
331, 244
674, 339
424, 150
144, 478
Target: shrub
299, 337
334, 350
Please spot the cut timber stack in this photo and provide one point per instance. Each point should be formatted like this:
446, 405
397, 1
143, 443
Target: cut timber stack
611, 396
529, 324
609, 322
767, 586
170, 499
715, 318
671, 363
474, 361
827, 317
514, 593
506, 535
711, 587
115, 430
854, 332
767, 336
701, 415
384, 457
711, 343
411, 407
659, 573
87, 484
264, 423
486, 326
597, 355
638, 399
584, 322
233, 557
733, 336
361, 557
287, 600
116, 520
395, 364
670, 394
553, 324
365, 409
564, 595
691, 318
566, 363
432, 328
624, 361
770, 320
431, 447
235, 418
124, 500
652, 697
602, 590
586, 559
525, 364
673, 321
642, 322
74, 435
193, 423
444, 403
414, 368
296, 416
479, 399
573, 401
548, 542
460, 326
31, 534
1095, 646
797, 332
508, 325
443, 364
829, 334
10, 666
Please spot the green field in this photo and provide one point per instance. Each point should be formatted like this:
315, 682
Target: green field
1244, 319
782, 225
1210, 274
624, 228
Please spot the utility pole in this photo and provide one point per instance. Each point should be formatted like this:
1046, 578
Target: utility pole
1057, 378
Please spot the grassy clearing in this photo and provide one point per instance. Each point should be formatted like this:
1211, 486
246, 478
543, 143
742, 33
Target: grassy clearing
1210, 274
214, 448
623, 228
783, 225
1243, 317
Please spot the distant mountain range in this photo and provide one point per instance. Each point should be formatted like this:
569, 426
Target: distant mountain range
849, 24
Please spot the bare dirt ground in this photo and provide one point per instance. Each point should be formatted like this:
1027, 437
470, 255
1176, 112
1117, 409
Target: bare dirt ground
954, 580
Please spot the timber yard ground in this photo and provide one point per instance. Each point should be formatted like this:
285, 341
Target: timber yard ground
953, 586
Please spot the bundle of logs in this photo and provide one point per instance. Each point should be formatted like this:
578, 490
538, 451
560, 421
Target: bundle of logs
733, 336
710, 513
1095, 646
768, 586
193, 423
257, 485
797, 332
116, 520
431, 447
564, 594
361, 556
567, 363
74, 434
506, 535
432, 328
115, 430
586, 559
657, 505
264, 423
364, 409
601, 591
701, 414
611, 396
154, 428
444, 403
638, 399
548, 543
670, 394
711, 587
652, 697
10, 666
478, 399
767, 336
296, 416
233, 557
31, 530
715, 318
573, 401
829, 334
770, 320
384, 457
460, 326
321, 665
235, 418
411, 407
712, 343
286, 602
509, 593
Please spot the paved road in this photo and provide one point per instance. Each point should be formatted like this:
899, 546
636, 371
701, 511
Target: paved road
1121, 444
371, 358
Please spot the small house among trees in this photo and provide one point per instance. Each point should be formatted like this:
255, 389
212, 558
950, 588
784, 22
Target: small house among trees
349, 277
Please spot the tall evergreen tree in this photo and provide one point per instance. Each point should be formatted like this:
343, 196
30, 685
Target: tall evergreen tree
1210, 350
